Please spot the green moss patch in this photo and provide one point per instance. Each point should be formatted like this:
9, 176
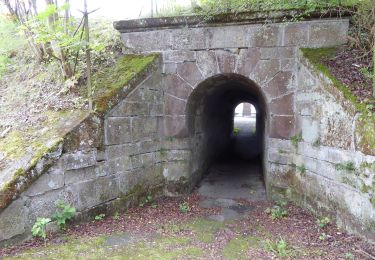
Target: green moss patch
366, 122
204, 229
238, 247
108, 82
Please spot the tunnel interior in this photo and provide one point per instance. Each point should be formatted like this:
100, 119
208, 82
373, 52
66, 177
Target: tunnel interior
225, 145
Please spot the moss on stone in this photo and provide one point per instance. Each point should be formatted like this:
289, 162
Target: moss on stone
366, 122
108, 82
204, 229
237, 247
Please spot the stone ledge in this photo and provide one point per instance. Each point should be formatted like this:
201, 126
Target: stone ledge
150, 24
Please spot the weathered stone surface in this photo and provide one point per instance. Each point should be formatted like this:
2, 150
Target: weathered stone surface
88, 194
179, 56
52, 180
74, 176
190, 73
226, 61
121, 164
177, 87
296, 34
207, 63
283, 105
278, 53
265, 70
310, 129
175, 126
279, 85
13, 219
174, 106
228, 37
144, 127
247, 60
126, 108
282, 127
328, 34
79, 159
117, 130
267, 36
169, 68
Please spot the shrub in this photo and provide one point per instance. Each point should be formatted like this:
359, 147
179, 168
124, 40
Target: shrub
64, 213
39, 227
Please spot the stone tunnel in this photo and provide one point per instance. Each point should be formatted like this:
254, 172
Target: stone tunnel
177, 121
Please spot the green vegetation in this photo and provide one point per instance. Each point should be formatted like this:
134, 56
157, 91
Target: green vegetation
64, 213
109, 81
236, 130
204, 229
296, 139
99, 217
322, 222
323, 236
184, 207
278, 211
10, 42
39, 228
346, 166
280, 248
301, 169
237, 247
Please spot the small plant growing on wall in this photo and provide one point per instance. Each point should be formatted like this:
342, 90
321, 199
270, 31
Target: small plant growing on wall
39, 228
64, 213
346, 166
302, 169
99, 217
296, 139
236, 130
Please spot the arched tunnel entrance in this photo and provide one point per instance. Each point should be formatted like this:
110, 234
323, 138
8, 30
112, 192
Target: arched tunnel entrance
228, 139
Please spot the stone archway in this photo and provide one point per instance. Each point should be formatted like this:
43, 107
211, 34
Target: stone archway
210, 112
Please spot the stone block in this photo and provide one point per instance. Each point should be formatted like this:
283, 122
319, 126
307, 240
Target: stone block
247, 60
174, 106
117, 130
267, 36
234, 36
288, 64
174, 171
156, 109
136, 41
296, 34
179, 56
85, 174
118, 165
51, 180
190, 73
189, 38
142, 160
283, 105
144, 127
176, 143
126, 108
226, 61
149, 145
177, 87
279, 85
282, 127
328, 34
177, 155
175, 126
265, 70
88, 194
77, 160
117, 151
207, 63
277, 53
310, 129
13, 220
169, 68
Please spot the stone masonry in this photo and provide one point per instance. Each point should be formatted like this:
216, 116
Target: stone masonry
154, 140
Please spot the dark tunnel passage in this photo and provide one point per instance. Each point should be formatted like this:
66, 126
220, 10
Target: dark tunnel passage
228, 151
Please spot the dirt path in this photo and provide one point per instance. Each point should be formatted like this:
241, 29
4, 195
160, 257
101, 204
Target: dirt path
208, 224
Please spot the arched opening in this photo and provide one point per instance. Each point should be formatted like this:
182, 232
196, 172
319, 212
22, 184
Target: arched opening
228, 143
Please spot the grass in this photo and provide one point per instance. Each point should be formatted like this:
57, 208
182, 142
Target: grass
10, 41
